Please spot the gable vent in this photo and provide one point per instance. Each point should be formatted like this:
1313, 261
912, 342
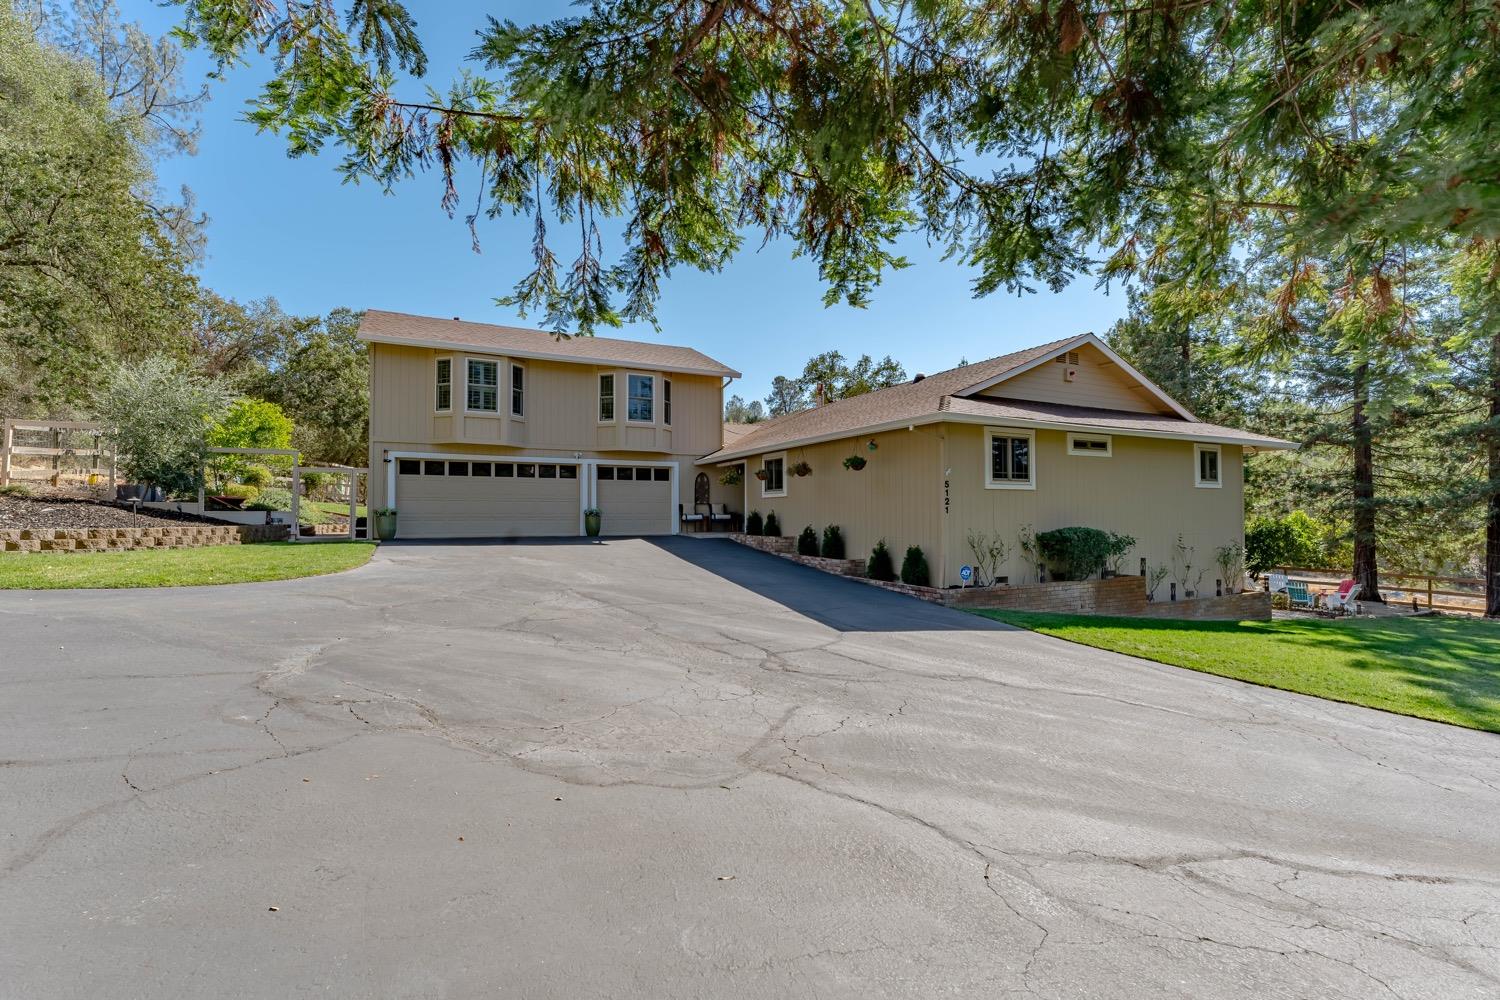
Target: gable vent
1070, 358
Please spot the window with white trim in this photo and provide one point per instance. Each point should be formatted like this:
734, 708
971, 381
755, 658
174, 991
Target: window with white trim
641, 405
606, 398
1009, 459
666, 401
1207, 466
518, 390
484, 386
443, 388
1090, 444
774, 482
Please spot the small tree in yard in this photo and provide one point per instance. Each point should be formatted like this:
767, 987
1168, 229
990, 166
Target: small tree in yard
881, 566
754, 525
989, 555
1231, 560
249, 423
773, 526
833, 542
914, 568
807, 542
159, 413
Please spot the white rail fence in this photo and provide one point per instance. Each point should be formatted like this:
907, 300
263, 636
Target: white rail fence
56, 451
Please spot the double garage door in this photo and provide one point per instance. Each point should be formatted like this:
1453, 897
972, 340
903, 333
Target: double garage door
471, 499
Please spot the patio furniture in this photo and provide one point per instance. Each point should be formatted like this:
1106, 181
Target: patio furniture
721, 517
1341, 601
695, 520
1297, 595
1276, 583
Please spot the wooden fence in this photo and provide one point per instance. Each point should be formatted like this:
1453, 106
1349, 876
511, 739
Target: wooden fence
1437, 593
58, 458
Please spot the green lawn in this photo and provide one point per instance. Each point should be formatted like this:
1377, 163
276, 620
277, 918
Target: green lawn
334, 507
1446, 669
179, 567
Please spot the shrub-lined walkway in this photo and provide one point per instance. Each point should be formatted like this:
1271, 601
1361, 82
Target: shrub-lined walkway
1445, 669
179, 567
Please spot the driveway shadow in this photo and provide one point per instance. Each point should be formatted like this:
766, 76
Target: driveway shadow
840, 604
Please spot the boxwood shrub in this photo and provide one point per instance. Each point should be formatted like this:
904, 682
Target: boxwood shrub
754, 525
914, 568
880, 566
1076, 553
833, 542
807, 542
773, 526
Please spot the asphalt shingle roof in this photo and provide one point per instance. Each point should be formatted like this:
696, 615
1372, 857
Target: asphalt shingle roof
449, 334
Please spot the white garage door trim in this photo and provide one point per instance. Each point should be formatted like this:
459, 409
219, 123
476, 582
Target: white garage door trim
588, 479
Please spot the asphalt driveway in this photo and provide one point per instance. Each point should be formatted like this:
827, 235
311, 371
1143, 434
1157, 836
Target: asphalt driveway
685, 769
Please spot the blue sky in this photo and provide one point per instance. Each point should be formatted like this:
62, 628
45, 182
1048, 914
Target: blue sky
291, 229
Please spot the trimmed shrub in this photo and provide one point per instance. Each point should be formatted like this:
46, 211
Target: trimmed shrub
754, 525
773, 526
1075, 553
243, 491
807, 542
880, 566
258, 476
833, 542
271, 498
914, 568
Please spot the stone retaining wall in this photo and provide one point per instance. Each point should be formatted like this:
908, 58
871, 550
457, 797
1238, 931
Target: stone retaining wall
188, 536
1120, 596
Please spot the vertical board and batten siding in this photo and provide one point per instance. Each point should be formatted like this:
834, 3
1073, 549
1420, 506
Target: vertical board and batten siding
1099, 383
897, 496
1145, 489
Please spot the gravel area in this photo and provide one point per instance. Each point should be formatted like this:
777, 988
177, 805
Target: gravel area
57, 510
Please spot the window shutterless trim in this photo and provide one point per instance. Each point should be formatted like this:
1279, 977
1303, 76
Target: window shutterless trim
1009, 433
496, 387
1106, 452
629, 398
438, 385
1199, 450
666, 401
612, 397
765, 490
516, 366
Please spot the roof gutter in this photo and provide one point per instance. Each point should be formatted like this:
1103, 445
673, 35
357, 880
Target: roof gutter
1259, 444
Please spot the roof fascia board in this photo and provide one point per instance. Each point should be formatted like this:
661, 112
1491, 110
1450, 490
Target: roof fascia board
1085, 338
1263, 444
507, 352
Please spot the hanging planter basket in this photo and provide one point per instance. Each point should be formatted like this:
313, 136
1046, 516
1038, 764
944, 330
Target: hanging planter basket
761, 474
732, 477
854, 463
801, 469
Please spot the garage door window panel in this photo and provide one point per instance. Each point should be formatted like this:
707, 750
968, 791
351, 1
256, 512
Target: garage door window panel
607, 472
483, 470
504, 470
432, 468
409, 467
525, 470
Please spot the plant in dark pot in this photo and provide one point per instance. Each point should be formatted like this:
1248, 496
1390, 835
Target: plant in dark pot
855, 462
801, 469
761, 474
385, 523
593, 521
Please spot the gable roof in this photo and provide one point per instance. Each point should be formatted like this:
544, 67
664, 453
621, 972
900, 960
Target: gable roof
949, 396
381, 327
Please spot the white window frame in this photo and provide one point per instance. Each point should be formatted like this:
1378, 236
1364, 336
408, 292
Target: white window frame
765, 484
614, 398
628, 418
1198, 480
511, 395
435, 363
1109, 445
666, 401
498, 387
990, 433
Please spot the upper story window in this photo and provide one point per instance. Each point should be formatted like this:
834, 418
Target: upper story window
443, 396
1206, 466
1010, 459
484, 386
642, 402
666, 401
773, 484
517, 390
606, 398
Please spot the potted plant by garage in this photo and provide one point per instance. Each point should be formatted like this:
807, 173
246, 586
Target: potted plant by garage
593, 520
385, 523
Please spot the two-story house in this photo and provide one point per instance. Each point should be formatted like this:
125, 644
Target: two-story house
479, 430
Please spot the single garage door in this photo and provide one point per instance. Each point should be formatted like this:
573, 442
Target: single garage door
454, 499
636, 500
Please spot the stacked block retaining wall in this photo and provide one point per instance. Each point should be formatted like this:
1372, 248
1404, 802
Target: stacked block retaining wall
189, 536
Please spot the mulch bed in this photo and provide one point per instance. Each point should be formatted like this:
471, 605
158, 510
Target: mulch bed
64, 511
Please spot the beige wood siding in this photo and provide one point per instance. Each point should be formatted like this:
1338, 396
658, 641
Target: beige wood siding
896, 496
471, 507
402, 383
1144, 490
1099, 383
634, 507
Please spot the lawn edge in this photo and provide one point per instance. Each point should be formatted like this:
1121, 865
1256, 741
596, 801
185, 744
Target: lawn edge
1209, 673
374, 548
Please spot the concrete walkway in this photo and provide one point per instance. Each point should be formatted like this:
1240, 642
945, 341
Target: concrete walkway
681, 768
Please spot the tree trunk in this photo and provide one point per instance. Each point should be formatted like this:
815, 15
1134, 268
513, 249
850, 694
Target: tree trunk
1365, 572
1492, 504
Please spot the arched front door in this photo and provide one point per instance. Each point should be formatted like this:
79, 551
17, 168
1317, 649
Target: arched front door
700, 489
